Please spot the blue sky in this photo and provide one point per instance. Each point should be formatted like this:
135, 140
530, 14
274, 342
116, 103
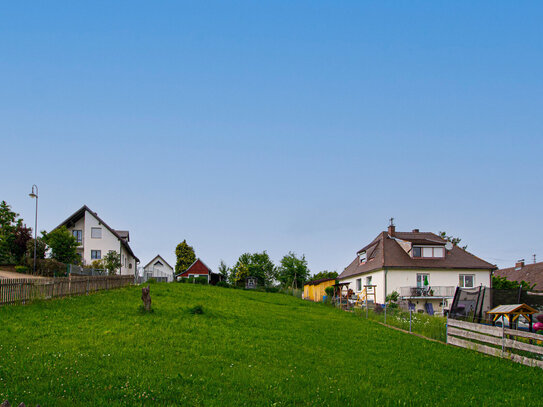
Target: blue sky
278, 126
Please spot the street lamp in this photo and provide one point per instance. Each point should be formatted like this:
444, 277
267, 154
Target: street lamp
34, 194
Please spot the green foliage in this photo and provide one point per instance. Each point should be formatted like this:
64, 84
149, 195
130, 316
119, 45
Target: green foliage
329, 291
502, 283
224, 270
185, 257
239, 352
63, 245
452, 239
41, 248
196, 310
112, 262
292, 271
257, 265
48, 267
324, 274
98, 264
222, 284
13, 236
21, 269
394, 296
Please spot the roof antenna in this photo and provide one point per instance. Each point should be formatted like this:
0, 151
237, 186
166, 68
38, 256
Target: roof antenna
391, 221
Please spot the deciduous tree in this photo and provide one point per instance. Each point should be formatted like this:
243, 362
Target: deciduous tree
293, 271
257, 265
63, 245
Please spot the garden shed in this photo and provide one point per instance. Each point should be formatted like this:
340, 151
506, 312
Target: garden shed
315, 290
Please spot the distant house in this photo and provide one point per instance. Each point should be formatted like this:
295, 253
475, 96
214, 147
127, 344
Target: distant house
159, 269
199, 269
421, 266
531, 273
314, 290
96, 238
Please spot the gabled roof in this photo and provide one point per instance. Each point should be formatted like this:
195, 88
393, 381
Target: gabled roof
196, 261
385, 251
124, 234
81, 213
319, 281
531, 273
158, 256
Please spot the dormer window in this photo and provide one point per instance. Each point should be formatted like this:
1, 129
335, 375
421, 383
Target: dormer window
428, 252
362, 257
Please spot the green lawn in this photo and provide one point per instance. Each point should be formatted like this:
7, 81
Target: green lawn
248, 348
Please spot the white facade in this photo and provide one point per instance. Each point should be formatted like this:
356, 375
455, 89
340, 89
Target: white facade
97, 239
159, 268
443, 281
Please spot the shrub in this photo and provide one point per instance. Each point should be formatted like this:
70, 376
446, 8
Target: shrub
201, 280
21, 269
272, 289
329, 291
181, 280
151, 281
197, 309
223, 284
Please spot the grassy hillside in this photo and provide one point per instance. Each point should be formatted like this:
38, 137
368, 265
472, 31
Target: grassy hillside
247, 348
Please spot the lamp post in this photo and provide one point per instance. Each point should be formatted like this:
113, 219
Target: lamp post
34, 194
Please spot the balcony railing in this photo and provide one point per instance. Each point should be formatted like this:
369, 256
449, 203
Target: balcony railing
428, 291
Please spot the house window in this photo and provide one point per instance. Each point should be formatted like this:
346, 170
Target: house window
368, 280
362, 257
78, 234
466, 280
421, 278
358, 284
96, 233
96, 254
428, 252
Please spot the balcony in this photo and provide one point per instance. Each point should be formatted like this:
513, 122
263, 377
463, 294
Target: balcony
439, 291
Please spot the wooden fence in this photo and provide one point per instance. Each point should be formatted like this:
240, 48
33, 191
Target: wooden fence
21, 291
496, 341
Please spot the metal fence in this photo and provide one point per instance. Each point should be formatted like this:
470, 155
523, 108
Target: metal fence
472, 304
21, 291
156, 274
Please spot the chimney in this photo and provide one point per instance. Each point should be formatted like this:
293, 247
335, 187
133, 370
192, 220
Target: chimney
391, 230
519, 264
415, 231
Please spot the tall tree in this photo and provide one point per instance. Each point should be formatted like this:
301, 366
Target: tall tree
63, 245
454, 240
293, 271
185, 257
13, 235
257, 265
224, 270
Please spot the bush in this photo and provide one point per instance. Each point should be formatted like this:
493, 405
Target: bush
21, 269
197, 309
151, 281
223, 284
329, 291
272, 289
48, 267
201, 280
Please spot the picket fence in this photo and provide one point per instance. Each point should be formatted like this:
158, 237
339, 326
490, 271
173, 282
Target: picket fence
21, 291
496, 341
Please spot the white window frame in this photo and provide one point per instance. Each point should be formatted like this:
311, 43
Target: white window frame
422, 248
99, 252
79, 232
422, 279
358, 284
362, 257
462, 280
368, 280
93, 230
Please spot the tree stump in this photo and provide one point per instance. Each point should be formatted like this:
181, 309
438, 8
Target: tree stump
146, 298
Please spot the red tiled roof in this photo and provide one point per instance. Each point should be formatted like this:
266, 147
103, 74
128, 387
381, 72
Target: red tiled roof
385, 251
531, 273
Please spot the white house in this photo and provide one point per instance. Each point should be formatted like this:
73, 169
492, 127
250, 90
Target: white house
159, 269
421, 266
96, 238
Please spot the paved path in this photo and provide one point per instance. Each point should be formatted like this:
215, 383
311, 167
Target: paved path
11, 274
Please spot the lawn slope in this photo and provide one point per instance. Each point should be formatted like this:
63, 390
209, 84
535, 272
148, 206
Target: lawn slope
248, 348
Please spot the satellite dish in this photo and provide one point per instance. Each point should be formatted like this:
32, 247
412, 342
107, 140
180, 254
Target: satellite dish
449, 246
